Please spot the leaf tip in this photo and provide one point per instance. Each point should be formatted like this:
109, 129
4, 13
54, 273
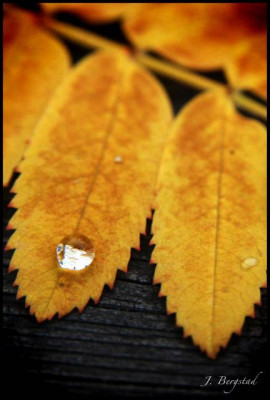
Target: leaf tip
9, 227
11, 268
14, 284
111, 285
211, 355
149, 215
238, 332
81, 308
60, 315
7, 247
50, 317
96, 300
211, 352
19, 295
39, 320
17, 169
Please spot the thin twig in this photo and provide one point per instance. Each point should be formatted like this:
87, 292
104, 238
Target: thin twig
81, 36
178, 73
247, 104
91, 40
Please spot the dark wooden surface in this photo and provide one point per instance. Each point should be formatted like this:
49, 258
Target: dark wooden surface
126, 345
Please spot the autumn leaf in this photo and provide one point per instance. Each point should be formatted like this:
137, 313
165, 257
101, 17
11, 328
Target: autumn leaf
93, 12
209, 226
34, 64
206, 36
250, 71
91, 170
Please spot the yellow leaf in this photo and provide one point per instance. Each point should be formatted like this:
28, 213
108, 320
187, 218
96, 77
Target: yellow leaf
90, 169
93, 12
34, 64
205, 36
209, 226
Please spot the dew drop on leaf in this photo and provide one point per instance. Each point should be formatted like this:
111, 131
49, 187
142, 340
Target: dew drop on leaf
75, 252
118, 159
249, 263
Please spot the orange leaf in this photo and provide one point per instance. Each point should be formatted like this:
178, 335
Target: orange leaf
205, 36
209, 227
248, 69
93, 12
34, 64
90, 169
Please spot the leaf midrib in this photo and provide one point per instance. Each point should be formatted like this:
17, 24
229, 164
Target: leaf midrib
217, 227
108, 133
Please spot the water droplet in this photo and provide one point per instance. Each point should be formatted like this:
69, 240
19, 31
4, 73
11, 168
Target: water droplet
249, 263
75, 252
118, 159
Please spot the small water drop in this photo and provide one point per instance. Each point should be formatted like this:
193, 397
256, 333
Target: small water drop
249, 263
75, 252
118, 159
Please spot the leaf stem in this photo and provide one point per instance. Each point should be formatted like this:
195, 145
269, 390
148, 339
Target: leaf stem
91, 40
81, 36
178, 73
